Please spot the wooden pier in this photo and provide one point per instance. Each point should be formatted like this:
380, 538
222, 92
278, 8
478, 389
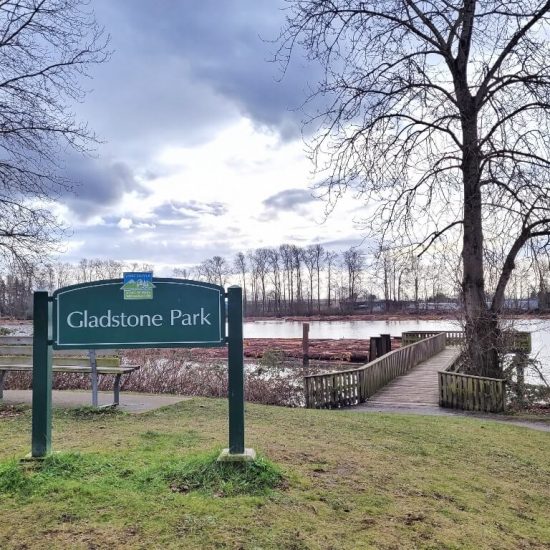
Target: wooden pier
354, 386
425, 371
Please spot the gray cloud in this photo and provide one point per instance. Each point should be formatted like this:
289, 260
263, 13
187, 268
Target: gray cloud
289, 200
181, 71
170, 211
98, 183
176, 210
178, 74
212, 208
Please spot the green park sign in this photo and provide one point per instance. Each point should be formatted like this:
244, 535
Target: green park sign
138, 311
171, 313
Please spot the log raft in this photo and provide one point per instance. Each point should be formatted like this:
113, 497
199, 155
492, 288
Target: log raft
342, 350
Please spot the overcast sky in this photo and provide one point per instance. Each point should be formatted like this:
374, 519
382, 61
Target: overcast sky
203, 151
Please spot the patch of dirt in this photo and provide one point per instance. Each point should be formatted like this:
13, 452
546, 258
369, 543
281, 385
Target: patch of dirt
536, 409
11, 411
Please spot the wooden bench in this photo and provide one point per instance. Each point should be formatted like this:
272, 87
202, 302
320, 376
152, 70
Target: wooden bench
16, 355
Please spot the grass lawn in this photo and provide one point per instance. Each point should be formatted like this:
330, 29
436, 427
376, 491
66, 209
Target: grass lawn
341, 480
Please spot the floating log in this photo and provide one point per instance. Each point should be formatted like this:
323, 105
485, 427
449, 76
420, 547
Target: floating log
343, 350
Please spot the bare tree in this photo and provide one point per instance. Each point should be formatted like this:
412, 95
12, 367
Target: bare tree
353, 263
85, 271
415, 270
274, 261
297, 257
313, 257
285, 251
214, 270
136, 266
260, 267
318, 253
438, 111
64, 274
254, 281
220, 269
181, 273
241, 267
47, 47
308, 258
330, 261
108, 269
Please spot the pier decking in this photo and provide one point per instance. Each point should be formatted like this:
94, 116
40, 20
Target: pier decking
418, 387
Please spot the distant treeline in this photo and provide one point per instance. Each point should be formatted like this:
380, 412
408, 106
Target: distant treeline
293, 280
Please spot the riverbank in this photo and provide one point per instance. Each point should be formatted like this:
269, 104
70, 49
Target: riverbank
396, 316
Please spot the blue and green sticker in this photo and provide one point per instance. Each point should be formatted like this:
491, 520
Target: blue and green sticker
138, 285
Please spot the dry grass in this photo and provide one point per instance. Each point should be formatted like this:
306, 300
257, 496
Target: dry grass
353, 481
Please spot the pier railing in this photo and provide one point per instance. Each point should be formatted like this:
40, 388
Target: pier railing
470, 393
514, 340
354, 386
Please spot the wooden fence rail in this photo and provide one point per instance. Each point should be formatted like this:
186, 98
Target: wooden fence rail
471, 393
515, 341
453, 338
351, 387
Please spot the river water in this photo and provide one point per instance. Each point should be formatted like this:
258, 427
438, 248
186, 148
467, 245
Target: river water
539, 328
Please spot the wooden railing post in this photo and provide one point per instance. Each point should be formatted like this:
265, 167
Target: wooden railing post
307, 385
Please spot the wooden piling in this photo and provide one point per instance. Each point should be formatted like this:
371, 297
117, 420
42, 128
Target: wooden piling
379, 346
305, 344
386, 338
373, 349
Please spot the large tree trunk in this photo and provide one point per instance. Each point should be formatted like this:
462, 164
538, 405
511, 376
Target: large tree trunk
482, 334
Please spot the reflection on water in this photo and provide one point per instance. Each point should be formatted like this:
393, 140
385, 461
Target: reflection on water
539, 328
341, 329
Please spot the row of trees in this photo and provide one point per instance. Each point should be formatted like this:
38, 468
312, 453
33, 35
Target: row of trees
293, 280
304, 280
18, 282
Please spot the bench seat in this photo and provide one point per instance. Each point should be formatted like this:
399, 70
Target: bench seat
72, 368
16, 355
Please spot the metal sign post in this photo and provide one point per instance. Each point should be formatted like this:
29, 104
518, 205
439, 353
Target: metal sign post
235, 390
41, 378
235, 368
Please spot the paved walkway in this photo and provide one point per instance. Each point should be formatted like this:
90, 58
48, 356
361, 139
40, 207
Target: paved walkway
129, 402
542, 425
